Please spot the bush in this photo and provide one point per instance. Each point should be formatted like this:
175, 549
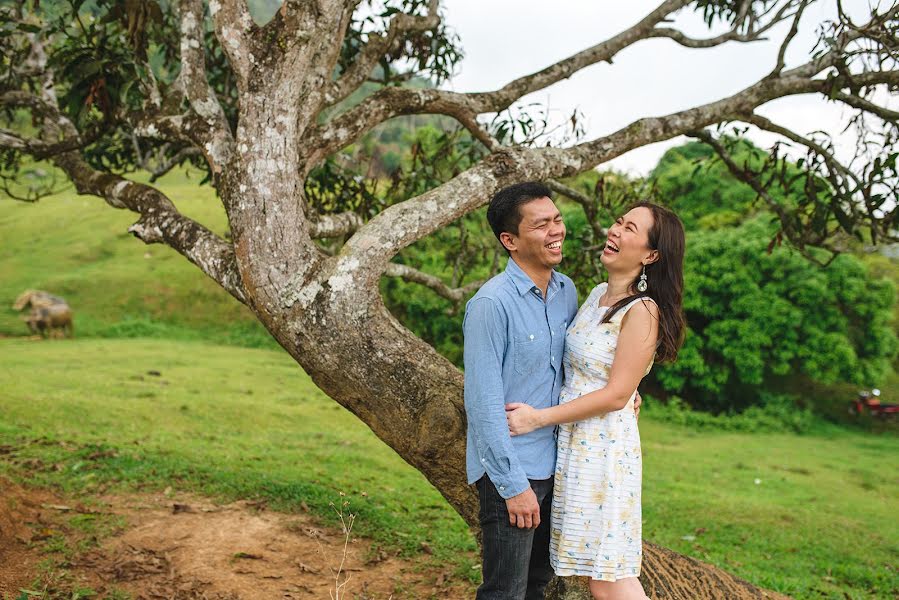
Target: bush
776, 413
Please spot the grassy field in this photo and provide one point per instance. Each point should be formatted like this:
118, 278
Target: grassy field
811, 516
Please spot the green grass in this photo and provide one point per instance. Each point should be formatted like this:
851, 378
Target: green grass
229, 422
811, 516
248, 423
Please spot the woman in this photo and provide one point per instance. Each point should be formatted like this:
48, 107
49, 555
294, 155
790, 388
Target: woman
621, 328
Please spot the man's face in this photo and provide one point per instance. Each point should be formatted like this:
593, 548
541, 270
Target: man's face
540, 235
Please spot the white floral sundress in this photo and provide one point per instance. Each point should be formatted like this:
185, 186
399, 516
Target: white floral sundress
596, 514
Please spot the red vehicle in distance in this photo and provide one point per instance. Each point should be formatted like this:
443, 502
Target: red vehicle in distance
870, 402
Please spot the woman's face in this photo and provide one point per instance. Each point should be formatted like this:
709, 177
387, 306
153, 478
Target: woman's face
627, 247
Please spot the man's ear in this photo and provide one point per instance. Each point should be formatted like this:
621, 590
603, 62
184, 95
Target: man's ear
508, 241
652, 257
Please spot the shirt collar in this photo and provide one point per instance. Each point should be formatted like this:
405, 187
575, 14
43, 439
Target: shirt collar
524, 284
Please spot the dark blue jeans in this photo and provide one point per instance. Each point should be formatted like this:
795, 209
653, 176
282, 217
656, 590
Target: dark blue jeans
515, 561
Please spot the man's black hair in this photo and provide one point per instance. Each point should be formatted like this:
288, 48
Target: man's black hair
503, 214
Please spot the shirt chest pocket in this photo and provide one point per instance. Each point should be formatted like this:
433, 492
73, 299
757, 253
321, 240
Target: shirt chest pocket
531, 352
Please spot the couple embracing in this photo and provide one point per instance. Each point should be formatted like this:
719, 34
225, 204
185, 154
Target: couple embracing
551, 396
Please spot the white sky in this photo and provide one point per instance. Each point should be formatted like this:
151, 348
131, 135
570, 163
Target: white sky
505, 39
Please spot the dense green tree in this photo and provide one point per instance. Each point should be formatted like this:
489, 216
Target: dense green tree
700, 189
756, 316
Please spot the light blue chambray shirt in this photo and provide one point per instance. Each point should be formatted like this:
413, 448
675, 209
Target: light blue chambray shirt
513, 353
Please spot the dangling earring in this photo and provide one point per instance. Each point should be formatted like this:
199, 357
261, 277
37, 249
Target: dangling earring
642, 286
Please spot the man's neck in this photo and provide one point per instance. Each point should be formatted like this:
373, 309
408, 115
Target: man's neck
539, 274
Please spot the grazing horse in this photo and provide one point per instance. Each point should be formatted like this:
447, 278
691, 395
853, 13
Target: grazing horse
48, 313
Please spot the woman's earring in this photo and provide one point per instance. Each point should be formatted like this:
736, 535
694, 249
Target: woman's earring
642, 286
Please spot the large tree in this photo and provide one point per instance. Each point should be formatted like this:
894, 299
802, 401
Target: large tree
100, 88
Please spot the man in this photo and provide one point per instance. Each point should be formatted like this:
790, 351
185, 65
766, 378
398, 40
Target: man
514, 337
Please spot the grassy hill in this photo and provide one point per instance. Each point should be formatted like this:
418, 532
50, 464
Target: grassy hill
79, 248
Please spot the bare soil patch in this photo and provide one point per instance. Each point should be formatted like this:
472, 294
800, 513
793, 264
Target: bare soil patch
183, 547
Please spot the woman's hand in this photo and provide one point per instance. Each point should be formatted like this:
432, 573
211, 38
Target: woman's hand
522, 418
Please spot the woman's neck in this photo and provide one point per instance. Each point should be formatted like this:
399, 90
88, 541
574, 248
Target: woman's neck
618, 287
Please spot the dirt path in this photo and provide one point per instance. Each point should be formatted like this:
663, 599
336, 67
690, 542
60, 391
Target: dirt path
182, 547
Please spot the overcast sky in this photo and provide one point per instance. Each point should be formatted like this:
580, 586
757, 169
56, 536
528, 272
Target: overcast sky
505, 39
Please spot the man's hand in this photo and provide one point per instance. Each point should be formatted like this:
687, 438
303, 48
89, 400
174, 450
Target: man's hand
637, 402
524, 511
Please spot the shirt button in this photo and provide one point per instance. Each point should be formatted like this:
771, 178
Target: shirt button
502, 488
531, 336
483, 460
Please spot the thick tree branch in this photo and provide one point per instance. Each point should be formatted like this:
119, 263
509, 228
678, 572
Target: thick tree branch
192, 77
392, 102
209, 138
217, 143
739, 106
233, 28
160, 221
412, 275
334, 225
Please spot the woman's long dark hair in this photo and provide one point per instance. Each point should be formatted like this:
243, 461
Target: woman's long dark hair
665, 278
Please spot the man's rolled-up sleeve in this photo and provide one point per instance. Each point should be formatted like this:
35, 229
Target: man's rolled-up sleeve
485, 345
